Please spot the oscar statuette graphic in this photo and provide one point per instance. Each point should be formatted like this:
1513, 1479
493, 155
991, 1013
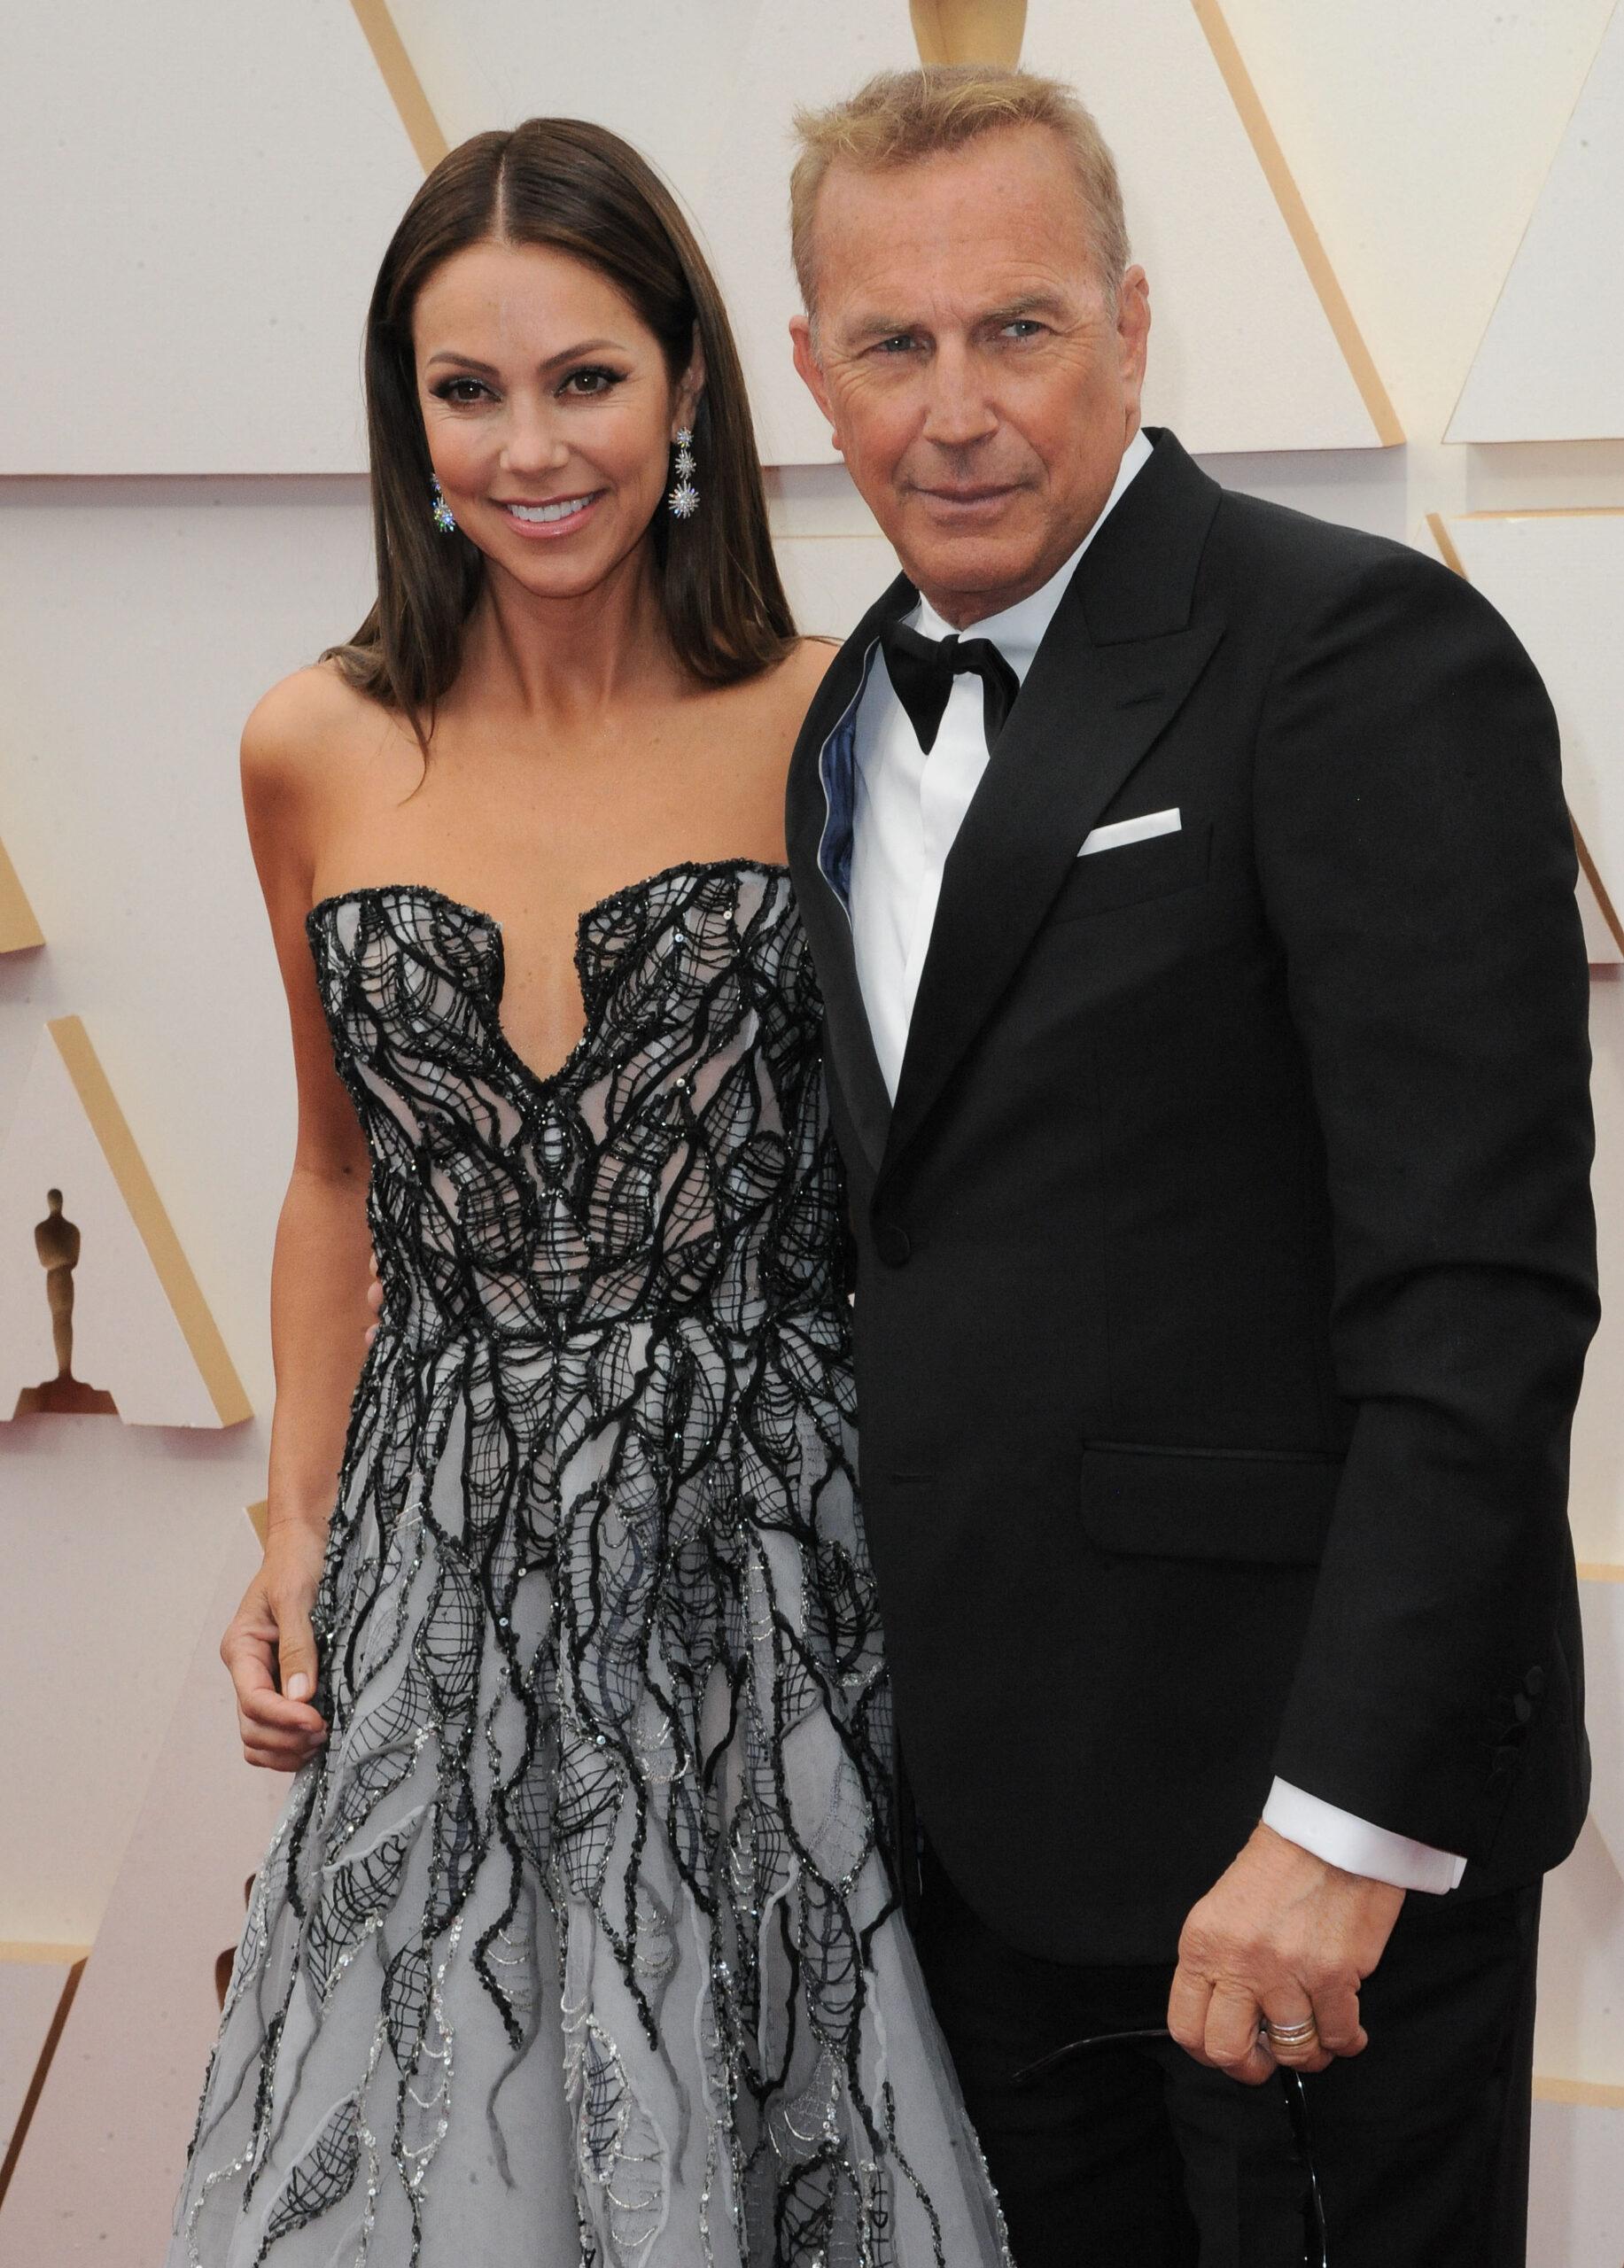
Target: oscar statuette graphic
56, 1241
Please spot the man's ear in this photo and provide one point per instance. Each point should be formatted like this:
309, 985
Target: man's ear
1133, 332
811, 370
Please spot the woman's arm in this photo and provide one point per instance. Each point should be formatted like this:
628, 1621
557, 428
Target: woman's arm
320, 1268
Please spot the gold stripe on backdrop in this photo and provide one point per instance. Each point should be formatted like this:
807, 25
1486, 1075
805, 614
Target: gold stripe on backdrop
36, 2084
1596, 2092
968, 31
400, 75
1312, 254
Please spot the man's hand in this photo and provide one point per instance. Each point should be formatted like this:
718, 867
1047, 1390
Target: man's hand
1280, 1938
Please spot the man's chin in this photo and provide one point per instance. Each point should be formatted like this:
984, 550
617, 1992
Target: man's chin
970, 566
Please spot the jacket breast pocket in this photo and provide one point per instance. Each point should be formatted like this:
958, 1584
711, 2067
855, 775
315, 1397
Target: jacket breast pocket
1132, 872
1268, 1507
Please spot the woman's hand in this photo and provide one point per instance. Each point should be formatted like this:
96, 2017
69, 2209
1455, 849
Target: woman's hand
375, 1299
270, 1651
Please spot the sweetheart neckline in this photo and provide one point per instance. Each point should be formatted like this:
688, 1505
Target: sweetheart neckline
541, 1083
599, 905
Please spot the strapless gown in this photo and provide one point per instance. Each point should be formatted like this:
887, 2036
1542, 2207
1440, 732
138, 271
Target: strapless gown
577, 1942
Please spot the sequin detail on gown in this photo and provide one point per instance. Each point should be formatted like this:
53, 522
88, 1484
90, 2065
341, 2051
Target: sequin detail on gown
576, 1941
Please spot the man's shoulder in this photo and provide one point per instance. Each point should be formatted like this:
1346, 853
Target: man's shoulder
1291, 583
1278, 549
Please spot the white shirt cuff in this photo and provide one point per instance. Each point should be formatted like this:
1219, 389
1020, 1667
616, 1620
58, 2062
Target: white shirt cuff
1343, 1840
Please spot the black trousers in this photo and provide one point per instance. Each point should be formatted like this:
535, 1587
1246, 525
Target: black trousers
1136, 2156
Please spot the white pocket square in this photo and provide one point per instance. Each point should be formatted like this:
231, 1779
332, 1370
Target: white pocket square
1130, 830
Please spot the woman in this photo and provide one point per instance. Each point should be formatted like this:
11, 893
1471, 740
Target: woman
575, 1939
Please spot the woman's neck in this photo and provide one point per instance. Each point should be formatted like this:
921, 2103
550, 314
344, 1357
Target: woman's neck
562, 661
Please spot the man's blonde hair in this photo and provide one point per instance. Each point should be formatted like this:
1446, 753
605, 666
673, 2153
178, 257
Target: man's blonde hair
902, 116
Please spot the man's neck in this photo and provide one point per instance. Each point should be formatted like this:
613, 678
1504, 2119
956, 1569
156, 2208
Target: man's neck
962, 610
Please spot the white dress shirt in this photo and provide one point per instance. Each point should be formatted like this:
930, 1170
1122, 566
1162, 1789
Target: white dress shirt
908, 807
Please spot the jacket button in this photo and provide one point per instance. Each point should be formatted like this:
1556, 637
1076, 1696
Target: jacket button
893, 1244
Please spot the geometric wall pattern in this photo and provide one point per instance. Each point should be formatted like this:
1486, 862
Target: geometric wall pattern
128, 2067
232, 346
37, 1984
493, 65
1549, 368
1216, 217
18, 928
1221, 230
714, 119
141, 1332
831, 580
1576, 2201
796, 54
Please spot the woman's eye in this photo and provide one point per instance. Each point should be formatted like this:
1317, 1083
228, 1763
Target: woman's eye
590, 381
460, 391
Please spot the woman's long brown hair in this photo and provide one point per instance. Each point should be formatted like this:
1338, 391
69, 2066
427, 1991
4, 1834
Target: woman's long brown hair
563, 183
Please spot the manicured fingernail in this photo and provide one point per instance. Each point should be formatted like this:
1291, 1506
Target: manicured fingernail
299, 1687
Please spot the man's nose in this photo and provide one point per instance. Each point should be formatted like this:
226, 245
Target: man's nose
957, 410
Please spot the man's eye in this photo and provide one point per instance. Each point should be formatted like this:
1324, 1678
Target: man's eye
1022, 327
898, 343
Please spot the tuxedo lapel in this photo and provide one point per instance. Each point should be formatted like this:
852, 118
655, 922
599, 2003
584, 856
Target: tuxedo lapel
853, 1060
1118, 661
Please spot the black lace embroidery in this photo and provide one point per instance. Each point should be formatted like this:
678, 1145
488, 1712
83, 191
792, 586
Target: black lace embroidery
607, 1768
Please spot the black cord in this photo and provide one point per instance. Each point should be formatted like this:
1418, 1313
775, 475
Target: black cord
1317, 2254
1029, 2074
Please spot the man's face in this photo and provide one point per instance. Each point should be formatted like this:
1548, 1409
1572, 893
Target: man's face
981, 384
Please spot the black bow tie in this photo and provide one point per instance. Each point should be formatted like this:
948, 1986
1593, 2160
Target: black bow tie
922, 670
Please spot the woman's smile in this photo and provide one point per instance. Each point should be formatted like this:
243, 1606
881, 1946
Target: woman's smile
560, 516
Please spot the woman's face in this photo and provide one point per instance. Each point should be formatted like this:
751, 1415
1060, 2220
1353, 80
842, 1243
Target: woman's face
549, 409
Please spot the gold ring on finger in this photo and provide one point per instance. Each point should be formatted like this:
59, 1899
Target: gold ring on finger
1290, 2035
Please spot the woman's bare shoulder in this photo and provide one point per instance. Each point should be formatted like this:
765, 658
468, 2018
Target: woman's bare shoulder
783, 694
807, 665
294, 731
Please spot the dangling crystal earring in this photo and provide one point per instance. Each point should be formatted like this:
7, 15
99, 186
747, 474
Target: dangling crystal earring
684, 498
441, 511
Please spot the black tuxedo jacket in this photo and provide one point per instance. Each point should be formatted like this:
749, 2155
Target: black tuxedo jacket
1226, 1265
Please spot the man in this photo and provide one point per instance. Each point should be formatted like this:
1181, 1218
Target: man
1207, 1043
